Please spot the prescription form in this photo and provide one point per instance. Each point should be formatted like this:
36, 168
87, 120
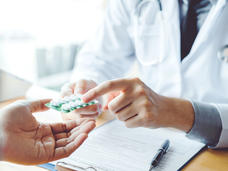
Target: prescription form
113, 147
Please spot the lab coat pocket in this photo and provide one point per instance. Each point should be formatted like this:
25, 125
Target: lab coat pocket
149, 44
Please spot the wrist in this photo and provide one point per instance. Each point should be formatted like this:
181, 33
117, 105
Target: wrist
182, 114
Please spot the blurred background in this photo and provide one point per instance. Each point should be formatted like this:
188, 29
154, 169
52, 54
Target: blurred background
40, 39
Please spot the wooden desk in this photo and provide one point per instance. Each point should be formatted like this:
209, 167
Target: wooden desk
207, 160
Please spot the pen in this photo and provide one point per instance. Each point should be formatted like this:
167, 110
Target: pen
161, 151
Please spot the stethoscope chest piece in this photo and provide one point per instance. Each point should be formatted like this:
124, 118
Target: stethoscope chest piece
223, 54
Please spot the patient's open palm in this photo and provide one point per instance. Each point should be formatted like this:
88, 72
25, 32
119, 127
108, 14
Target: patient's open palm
30, 142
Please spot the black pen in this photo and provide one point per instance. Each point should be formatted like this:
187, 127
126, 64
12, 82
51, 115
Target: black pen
159, 154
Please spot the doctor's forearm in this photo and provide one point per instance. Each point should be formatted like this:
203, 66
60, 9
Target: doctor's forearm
200, 121
180, 114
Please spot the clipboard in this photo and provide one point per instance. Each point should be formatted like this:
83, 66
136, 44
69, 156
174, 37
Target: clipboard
59, 167
114, 136
63, 166
67, 166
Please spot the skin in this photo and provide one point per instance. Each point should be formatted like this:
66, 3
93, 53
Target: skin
81, 87
26, 141
139, 106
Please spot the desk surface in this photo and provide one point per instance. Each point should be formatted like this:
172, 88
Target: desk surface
207, 160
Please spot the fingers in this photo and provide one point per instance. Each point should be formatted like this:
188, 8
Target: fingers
67, 89
126, 113
62, 135
81, 87
65, 151
119, 102
134, 122
110, 97
63, 127
75, 116
38, 105
65, 134
106, 87
94, 116
86, 128
86, 112
66, 146
66, 127
89, 110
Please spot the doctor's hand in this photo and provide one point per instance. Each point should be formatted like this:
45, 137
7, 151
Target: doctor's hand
139, 106
80, 87
24, 140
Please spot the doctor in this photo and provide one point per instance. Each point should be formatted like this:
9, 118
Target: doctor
180, 47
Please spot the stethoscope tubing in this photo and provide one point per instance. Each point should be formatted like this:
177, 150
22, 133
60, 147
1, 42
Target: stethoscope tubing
220, 54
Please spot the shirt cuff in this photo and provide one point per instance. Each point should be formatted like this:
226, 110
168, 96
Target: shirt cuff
207, 125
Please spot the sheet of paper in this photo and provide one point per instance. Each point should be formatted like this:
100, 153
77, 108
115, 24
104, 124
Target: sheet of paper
113, 147
37, 92
11, 86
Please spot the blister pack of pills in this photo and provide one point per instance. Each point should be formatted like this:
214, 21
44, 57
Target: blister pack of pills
69, 103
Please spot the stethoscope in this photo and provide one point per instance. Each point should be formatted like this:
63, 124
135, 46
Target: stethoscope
222, 53
143, 2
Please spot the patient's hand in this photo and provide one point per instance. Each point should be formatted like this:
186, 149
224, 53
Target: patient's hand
24, 140
80, 87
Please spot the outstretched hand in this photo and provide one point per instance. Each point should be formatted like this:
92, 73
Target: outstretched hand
24, 140
137, 105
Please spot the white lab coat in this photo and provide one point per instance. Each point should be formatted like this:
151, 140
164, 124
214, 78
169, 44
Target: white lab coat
201, 76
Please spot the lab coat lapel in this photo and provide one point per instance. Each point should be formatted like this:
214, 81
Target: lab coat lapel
169, 71
206, 30
172, 24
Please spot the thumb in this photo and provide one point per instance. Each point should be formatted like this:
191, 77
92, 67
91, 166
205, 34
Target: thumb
81, 87
38, 105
